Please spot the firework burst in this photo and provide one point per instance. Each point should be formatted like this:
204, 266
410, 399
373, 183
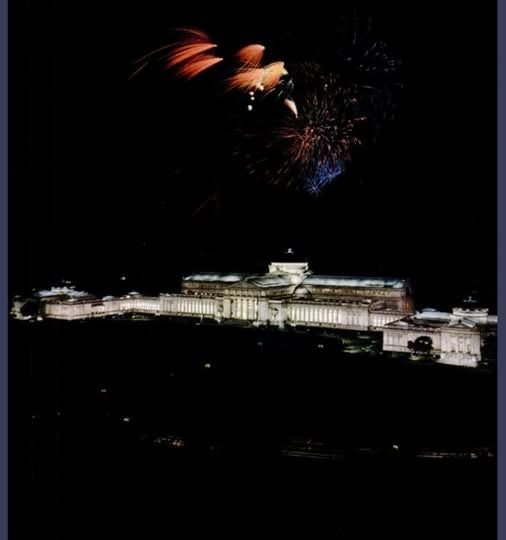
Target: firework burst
191, 69
327, 117
368, 69
187, 53
190, 54
251, 55
257, 79
307, 124
317, 143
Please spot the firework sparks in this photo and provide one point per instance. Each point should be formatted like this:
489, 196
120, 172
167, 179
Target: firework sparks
198, 65
290, 103
251, 55
317, 142
247, 80
322, 175
369, 57
308, 124
251, 76
257, 79
309, 142
137, 70
369, 70
272, 74
189, 54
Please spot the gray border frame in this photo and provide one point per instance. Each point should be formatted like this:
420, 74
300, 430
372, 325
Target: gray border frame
501, 222
501, 268
3, 271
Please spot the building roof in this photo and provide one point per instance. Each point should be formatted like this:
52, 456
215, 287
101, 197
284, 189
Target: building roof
279, 280
433, 315
462, 323
349, 281
431, 318
255, 280
215, 277
61, 291
269, 280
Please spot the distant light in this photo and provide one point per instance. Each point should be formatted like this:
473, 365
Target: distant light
126, 419
250, 107
103, 390
123, 278
395, 447
208, 365
320, 345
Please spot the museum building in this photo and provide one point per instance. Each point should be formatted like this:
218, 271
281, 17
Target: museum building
290, 295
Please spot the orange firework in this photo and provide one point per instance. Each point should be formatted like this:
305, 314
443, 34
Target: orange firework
272, 74
190, 56
187, 52
198, 35
246, 79
194, 67
265, 78
251, 55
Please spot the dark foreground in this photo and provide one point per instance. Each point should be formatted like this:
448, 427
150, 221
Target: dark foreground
147, 429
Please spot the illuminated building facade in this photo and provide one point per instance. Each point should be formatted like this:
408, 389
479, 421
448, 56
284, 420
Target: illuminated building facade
290, 295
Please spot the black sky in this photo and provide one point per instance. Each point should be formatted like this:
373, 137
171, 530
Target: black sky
106, 174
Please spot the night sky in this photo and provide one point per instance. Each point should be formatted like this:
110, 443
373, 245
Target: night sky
107, 175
